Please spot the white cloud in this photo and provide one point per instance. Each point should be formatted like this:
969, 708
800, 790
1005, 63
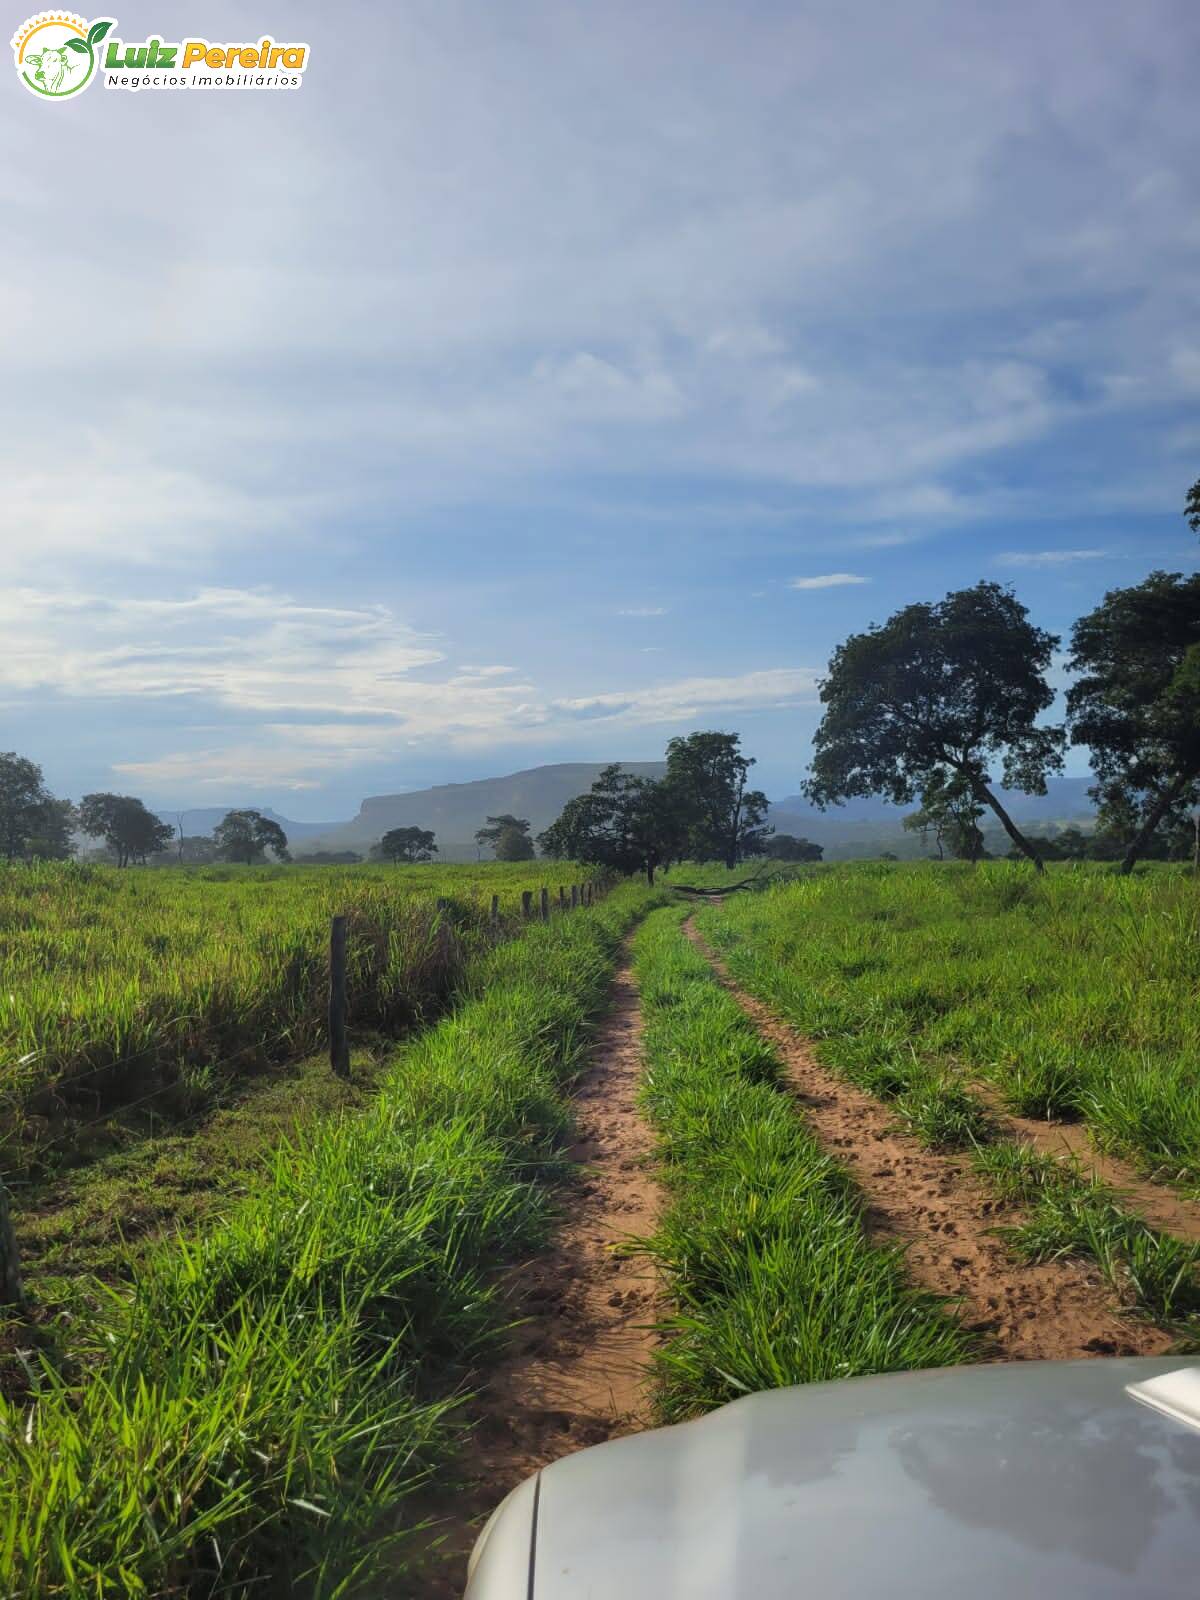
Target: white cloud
1048, 558
606, 249
244, 650
642, 611
693, 697
306, 690
827, 580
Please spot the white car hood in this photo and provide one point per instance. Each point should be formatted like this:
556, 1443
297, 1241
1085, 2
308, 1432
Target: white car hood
1010, 1480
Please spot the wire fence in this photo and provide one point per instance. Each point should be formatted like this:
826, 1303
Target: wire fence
580, 895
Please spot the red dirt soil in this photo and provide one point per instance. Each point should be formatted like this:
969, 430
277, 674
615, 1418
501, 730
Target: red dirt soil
943, 1214
576, 1371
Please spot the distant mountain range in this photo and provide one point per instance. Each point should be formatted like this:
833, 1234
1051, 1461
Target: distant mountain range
203, 819
455, 810
867, 827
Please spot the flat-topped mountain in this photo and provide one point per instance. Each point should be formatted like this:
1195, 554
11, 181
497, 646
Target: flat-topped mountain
455, 810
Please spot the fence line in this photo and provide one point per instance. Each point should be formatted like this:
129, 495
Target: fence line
12, 1293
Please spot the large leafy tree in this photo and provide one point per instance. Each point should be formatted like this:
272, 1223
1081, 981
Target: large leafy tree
938, 694
1191, 509
247, 835
130, 831
626, 823
32, 821
709, 777
508, 837
409, 845
1137, 705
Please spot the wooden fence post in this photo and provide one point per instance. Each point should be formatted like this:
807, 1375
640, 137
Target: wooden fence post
527, 903
545, 905
11, 1291
574, 896
339, 1047
495, 910
587, 893
562, 898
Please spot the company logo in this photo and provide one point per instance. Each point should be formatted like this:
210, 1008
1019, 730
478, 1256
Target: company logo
56, 52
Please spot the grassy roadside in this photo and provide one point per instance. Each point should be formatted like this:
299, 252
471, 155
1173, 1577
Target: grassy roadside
1074, 994
246, 1417
762, 1242
876, 1027
147, 992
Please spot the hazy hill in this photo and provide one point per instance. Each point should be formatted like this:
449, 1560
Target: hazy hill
867, 827
203, 819
455, 810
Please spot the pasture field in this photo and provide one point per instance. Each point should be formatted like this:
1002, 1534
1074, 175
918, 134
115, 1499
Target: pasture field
256, 1411
136, 986
1074, 994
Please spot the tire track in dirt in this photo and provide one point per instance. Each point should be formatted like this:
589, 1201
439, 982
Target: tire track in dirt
942, 1214
576, 1368
1153, 1202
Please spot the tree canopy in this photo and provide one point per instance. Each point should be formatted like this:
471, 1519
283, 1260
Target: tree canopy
508, 837
247, 835
1137, 705
939, 691
626, 823
130, 831
707, 778
786, 847
409, 845
32, 821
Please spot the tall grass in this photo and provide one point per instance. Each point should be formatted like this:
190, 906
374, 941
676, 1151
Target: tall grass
115, 985
774, 1279
1075, 994
253, 1417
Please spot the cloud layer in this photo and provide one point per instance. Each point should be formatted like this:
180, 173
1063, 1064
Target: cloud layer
323, 687
540, 309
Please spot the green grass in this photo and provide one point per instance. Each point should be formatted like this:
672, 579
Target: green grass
152, 988
1074, 993
762, 1243
1070, 1213
252, 1417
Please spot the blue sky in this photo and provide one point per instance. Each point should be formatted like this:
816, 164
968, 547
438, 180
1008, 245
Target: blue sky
532, 383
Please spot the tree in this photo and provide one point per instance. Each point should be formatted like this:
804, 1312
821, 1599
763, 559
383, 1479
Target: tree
1137, 705
130, 831
950, 811
408, 844
709, 775
626, 823
1192, 508
786, 847
508, 837
51, 827
939, 691
32, 821
247, 836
